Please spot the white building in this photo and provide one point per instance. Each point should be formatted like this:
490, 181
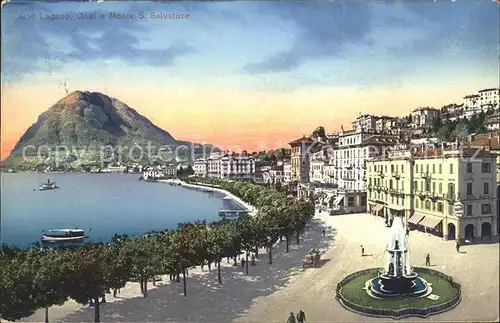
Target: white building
226, 166
346, 167
200, 167
316, 171
487, 99
423, 117
366, 122
493, 123
287, 172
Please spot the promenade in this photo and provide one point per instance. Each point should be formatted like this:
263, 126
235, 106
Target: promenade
270, 292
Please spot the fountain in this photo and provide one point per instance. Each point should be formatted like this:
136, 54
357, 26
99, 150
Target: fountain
397, 279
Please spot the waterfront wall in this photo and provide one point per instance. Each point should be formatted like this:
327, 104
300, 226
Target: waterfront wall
236, 199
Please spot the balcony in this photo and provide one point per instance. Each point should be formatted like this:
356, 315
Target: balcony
451, 197
426, 175
381, 174
396, 175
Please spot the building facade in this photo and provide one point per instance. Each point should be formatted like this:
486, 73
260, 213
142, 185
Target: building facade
423, 117
300, 151
450, 193
226, 166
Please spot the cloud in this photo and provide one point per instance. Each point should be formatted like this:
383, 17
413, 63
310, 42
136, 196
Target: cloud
30, 43
323, 28
389, 30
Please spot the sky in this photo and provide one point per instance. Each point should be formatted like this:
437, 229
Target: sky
246, 75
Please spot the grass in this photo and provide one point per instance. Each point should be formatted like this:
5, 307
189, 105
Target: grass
354, 292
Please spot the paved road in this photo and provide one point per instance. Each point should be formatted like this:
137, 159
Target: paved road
476, 267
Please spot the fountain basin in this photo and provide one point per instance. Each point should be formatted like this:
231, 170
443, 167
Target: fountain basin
385, 286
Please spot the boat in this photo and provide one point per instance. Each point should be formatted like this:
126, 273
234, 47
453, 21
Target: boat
57, 235
48, 186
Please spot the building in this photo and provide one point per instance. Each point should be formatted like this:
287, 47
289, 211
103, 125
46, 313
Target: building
366, 122
487, 99
287, 172
346, 167
274, 175
450, 193
493, 123
226, 165
300, 151
317, 170
423, 117
385, 123
200, 167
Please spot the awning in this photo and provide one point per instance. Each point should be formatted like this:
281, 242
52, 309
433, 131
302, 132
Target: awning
378, 207
430, 222
416, 218
338, 200
396, 207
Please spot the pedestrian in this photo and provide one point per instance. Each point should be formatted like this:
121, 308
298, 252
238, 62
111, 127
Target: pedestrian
362, 251
242, 263
324, 232
458, 246
252, 263
301, 317
428, 260
291, 318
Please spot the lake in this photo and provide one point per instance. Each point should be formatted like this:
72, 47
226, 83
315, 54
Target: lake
100, 204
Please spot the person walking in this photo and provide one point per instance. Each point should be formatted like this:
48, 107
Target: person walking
324, 232
362, 251
301, 317
428, 260
458, 246
291, 318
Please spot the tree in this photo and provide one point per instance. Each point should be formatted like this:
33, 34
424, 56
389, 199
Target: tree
17, 291
93, 270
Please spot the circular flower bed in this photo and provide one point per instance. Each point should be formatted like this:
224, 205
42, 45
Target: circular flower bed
351, 293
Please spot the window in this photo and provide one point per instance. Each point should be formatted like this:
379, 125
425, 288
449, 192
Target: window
485, 208
416, 185
427, 186
469, 189
392, 168
469, 167
402, 168
451, 168
427, 205
486, 168
440, 207
486, 189
433, 187
469, 209
440, 188
440, 168
434, 168
417, 203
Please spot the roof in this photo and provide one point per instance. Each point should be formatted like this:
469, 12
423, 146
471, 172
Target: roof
472, 152
490, 139
380, 140
424, 109
304, 139
490, 89
65, 230
471, 96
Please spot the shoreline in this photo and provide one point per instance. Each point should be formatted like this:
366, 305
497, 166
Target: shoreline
251, 209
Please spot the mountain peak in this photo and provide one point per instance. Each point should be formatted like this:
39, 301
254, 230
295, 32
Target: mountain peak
84, 119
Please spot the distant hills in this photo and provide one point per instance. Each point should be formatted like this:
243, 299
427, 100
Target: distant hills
93, 127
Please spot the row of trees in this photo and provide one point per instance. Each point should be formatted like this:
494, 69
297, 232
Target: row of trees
38, 278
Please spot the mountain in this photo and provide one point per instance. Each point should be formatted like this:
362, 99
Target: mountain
85, 126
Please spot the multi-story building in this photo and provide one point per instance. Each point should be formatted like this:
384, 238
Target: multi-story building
226, 166
346, 167
450, 193
366, 122
274, 175
200, 167
487, 99
423, 117
316, 173
385, 123
287, 172
301, 149
493, 123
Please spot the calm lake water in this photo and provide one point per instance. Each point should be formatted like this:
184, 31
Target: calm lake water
101, 204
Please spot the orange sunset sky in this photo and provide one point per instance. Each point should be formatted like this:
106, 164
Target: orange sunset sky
250, 75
